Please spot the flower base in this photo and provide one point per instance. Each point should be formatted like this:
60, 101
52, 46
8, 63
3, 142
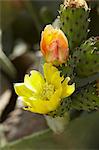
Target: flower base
58, 124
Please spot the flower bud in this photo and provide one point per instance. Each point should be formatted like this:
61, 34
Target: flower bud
54, 45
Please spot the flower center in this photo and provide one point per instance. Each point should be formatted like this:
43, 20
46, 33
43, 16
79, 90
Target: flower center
48, 91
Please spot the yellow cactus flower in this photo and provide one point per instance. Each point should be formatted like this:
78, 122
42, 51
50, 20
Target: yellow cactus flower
54, 45
43, 94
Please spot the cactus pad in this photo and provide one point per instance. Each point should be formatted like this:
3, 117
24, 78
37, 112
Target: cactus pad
87, 99
86, 58
74, 23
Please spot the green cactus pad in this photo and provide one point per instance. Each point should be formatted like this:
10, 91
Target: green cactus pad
66, 70
86, 99
86, 58
74, 23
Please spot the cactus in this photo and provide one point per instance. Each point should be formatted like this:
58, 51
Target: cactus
87, 98
83, 63
86, 58
74, 22
67, 70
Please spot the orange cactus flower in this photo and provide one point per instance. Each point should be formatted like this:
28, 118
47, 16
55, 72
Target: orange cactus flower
54, 45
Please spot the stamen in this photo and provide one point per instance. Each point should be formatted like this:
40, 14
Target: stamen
48, 91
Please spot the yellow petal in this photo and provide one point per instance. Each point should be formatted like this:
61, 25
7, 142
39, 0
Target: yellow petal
49, 70
35, 81
36, 106
67, 90
55, 100
44, 106
56, 79
48, 33
22, 90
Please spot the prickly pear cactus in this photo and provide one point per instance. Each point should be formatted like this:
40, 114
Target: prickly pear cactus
67, 70
87, 98
74, 22
85, 64
86, 58
82, 64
